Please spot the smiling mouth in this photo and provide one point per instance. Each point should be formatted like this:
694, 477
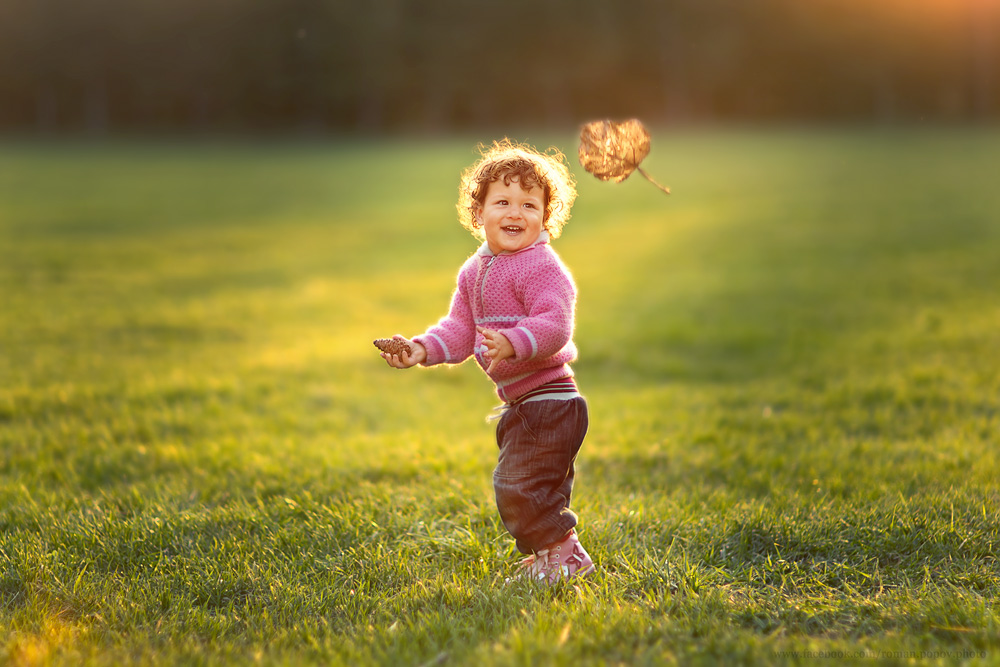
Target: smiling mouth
512, 230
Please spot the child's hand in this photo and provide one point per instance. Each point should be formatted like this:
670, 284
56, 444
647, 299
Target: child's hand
418, 354
498, 347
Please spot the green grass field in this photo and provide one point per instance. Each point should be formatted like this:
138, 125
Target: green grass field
792, 363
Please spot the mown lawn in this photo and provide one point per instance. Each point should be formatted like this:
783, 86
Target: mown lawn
792, 363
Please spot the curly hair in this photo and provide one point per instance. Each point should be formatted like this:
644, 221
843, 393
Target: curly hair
509, 160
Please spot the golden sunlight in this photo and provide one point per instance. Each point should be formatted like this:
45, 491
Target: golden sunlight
939, 14
928, 12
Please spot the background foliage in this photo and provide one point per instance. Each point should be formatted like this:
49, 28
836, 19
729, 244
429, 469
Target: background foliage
320, 65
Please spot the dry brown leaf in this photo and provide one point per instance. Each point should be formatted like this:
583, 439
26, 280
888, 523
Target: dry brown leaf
612, 150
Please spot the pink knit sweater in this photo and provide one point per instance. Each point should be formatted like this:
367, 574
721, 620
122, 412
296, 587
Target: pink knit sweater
530, 298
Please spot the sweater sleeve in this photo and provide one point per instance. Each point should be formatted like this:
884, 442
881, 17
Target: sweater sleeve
452, 339
549, 297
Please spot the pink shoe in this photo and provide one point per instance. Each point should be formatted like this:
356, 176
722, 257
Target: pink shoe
565, 559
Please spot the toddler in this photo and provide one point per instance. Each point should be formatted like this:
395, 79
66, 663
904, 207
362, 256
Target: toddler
514, 310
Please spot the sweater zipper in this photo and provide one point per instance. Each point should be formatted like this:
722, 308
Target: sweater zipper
482, 285
482, 288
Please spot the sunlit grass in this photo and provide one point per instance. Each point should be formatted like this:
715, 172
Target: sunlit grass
791, 364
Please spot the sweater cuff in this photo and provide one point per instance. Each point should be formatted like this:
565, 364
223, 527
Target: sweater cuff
437, 352
523, 341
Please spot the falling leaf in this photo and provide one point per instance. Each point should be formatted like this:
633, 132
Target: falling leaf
611, 150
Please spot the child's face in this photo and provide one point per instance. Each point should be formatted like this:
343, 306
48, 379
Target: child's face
511, 216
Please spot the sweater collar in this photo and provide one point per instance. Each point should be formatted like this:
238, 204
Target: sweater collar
484, 250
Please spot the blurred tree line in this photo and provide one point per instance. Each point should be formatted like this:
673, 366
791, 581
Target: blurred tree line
332, 65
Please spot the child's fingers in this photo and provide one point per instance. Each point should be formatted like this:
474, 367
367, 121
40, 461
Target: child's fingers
489, 339
393, 360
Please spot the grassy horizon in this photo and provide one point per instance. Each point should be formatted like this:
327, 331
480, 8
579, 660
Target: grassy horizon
791, 364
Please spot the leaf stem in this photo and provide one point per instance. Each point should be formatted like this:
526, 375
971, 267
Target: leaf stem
650, 179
